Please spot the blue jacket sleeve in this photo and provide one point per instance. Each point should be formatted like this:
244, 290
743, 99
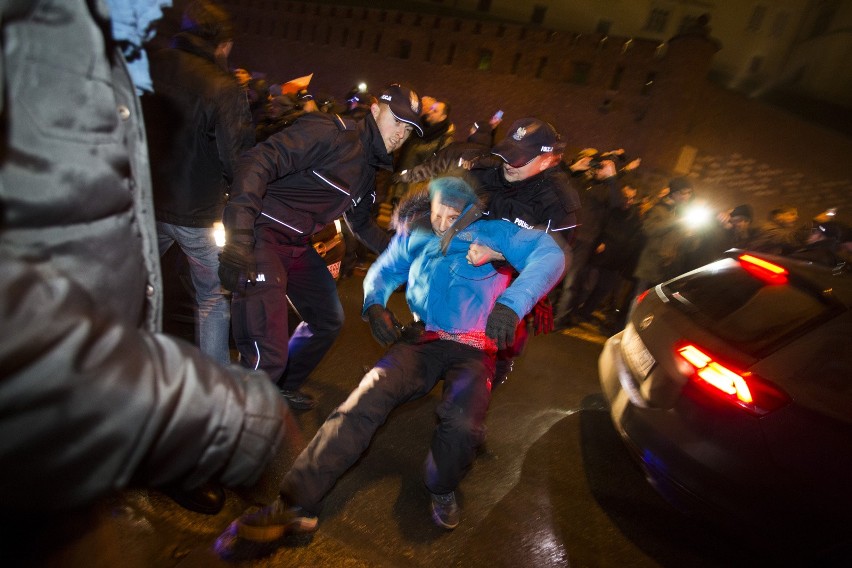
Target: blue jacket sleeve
388, 272
534, 254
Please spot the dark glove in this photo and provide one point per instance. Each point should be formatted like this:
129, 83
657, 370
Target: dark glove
386, 330
235, 260
543, 316
501, 325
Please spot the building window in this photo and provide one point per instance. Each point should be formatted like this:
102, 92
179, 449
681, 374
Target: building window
360, 42
542, 64
823, 20
501, 30
485, 56
754, 65
756, 19
383, 16
399, 17
437, 23
603, 27
657, 20
477, 28
418, 19
404, 49
483, 6
779, 24
458, 26
430, 49
538, 14
451, 54
616, 78
516, 63
378, 43
580, 71
345, 37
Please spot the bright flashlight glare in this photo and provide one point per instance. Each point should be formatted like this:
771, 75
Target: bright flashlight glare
697, 216
362, 87
219, 234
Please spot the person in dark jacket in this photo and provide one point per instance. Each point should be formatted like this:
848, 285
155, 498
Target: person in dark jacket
286, 189
198, 123
615, 253
463, 313
93, 398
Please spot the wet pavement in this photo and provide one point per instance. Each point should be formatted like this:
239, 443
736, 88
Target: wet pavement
553, 485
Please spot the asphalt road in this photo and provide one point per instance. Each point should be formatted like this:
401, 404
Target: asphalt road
553, 486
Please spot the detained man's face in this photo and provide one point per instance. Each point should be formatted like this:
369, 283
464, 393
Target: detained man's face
442, 216
394, 132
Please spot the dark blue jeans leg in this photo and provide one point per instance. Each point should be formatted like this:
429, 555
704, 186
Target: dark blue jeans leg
313, 292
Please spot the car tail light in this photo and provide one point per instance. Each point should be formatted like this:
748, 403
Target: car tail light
743, 389
642, 296
763, 269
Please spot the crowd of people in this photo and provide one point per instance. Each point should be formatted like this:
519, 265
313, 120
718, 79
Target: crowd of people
489, 233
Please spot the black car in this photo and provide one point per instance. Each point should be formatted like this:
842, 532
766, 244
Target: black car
732, 386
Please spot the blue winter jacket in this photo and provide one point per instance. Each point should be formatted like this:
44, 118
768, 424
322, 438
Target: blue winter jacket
445, 292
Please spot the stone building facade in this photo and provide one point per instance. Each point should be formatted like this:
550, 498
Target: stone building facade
651, 98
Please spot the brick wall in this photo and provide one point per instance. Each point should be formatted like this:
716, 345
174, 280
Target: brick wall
746, 152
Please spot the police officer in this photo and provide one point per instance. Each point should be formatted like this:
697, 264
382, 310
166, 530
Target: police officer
286, 189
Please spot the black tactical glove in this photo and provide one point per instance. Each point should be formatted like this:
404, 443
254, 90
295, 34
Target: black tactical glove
501, 325
386, 330
543, 316
235, 260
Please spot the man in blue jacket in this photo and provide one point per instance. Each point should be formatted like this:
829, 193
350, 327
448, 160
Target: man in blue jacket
463, 314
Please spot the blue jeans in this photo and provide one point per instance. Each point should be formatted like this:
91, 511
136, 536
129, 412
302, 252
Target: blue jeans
213, 319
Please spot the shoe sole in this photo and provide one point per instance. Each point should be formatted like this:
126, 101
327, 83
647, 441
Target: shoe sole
301, 525
440, 522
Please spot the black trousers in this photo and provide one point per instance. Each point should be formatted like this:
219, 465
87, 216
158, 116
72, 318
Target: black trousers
405, 373
259, 313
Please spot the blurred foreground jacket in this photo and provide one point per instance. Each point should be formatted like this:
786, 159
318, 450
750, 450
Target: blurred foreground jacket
92, 397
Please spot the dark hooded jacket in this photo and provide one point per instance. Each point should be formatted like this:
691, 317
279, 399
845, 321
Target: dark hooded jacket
198, 124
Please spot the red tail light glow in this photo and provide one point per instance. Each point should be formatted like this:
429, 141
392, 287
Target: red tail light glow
746, 390
763, 269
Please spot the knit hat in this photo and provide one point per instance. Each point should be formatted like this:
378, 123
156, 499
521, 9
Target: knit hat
452, 191
527, 139
679, 184
744, 210
404, 104
207, 21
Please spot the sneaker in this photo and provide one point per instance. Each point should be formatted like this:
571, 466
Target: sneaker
299, 400
445, 510
274, 521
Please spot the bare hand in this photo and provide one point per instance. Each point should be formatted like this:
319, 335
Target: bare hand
477, 254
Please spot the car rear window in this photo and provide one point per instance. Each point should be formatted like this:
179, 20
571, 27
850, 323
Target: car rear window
743, 309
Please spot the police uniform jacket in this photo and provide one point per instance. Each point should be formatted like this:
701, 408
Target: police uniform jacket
305, 176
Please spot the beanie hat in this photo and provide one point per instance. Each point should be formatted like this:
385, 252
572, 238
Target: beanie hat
743, 211
207, 21
452, 191
679, 184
